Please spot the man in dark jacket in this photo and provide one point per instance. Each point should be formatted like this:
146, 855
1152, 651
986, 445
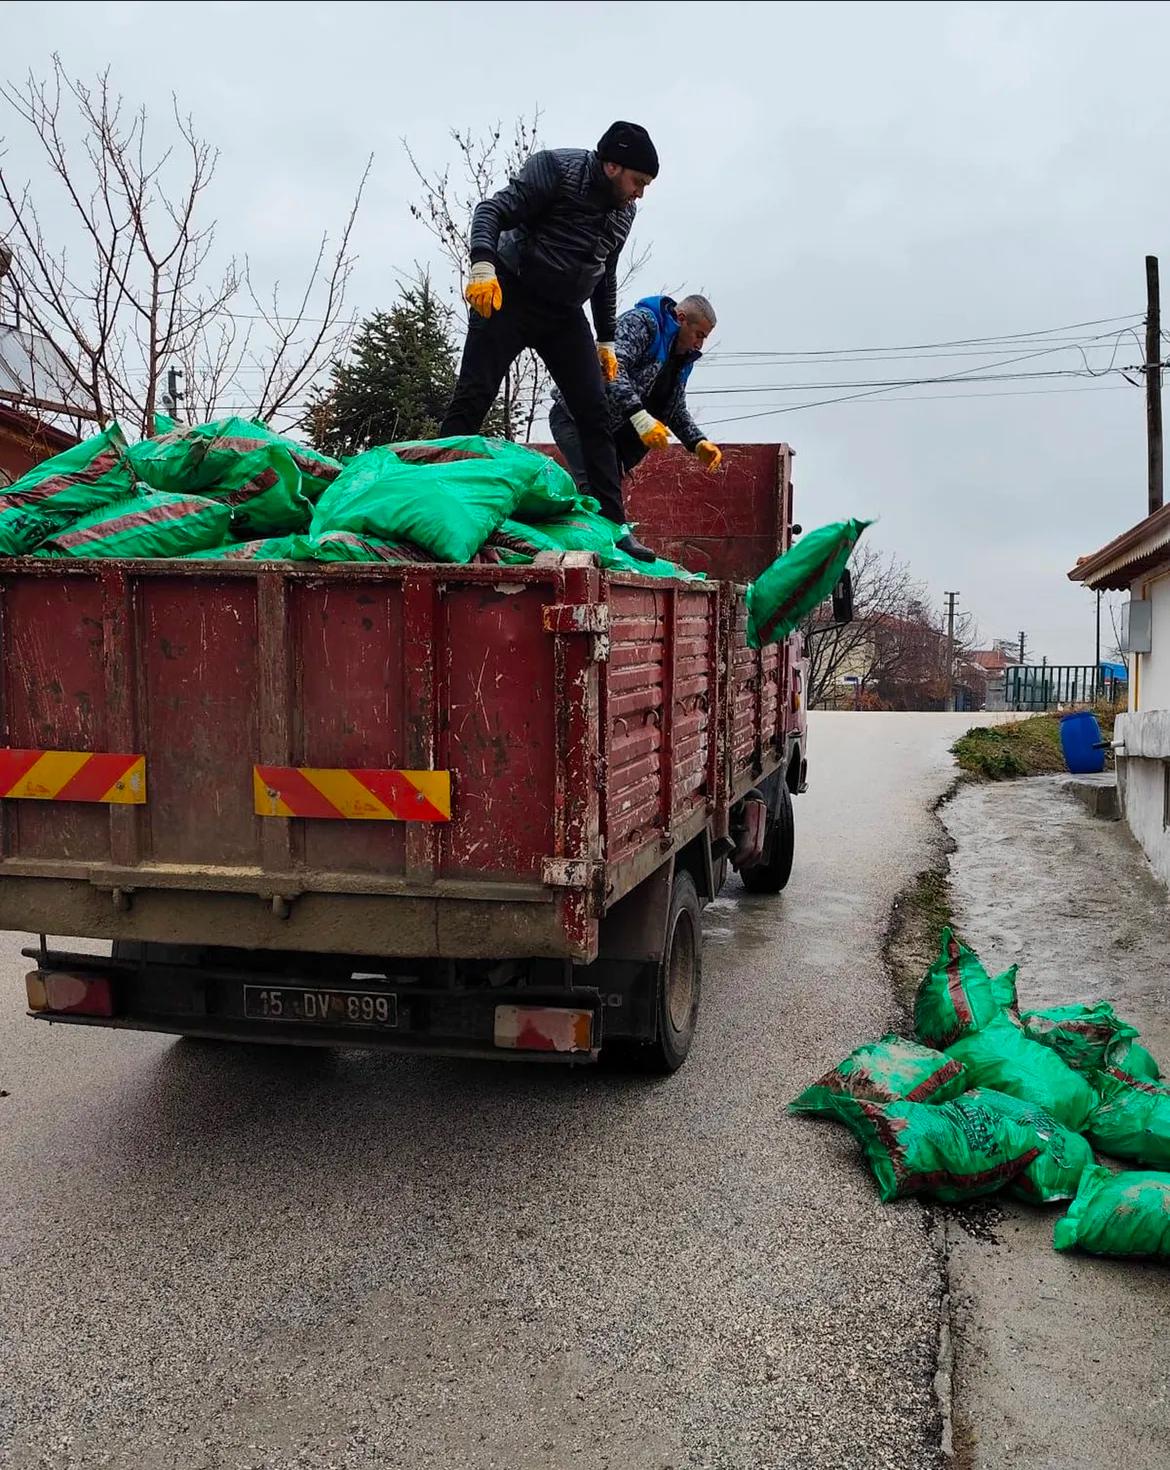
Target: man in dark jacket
657, 343
540, 249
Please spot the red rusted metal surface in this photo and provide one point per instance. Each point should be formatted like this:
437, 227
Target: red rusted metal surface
592, 723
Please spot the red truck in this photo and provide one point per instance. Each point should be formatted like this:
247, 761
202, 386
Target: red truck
449, 809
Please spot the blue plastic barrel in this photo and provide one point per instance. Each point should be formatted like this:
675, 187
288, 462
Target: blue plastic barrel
1080, 737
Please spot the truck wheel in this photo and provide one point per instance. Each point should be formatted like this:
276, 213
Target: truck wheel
771, 875
680, 980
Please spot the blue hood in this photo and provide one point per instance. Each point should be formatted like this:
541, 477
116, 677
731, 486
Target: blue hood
662, 309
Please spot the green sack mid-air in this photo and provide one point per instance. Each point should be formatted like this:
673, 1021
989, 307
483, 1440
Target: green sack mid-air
58, 490
952, 1151
1118, 1215
957, 996
546, 489
1089, 1037
448, 506
890, 1070
1064, 1155
152, 525
798, 581
1132, 1120
1001, 1057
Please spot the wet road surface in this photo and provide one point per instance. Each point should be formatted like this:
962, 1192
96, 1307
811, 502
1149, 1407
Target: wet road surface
216, 1256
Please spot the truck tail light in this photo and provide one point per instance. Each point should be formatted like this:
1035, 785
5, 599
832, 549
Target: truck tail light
71, 995
544, 1028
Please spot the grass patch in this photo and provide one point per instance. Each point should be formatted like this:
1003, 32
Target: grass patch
1029, 747
919, 916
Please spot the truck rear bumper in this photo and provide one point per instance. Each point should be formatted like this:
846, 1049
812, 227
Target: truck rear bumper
398, 1013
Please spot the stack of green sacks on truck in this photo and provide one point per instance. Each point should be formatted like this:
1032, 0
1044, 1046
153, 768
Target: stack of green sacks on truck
233, 490
984, 1099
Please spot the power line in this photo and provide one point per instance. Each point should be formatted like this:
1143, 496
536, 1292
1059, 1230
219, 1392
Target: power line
1005, 337
915, 397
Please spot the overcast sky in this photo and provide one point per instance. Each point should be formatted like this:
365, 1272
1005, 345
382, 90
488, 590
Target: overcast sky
832, 176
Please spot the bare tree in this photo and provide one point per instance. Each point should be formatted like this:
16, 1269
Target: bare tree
882, 588
445, 207
135, 289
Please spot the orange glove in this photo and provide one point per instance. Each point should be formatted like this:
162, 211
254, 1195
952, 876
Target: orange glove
607, 357
649, 430
710, 454
483, 292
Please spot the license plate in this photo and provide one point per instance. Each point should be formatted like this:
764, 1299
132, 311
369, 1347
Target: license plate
320, 1007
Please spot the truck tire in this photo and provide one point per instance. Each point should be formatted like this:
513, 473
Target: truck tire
679, 984
773, 873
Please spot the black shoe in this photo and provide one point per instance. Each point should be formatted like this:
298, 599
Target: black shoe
633, 547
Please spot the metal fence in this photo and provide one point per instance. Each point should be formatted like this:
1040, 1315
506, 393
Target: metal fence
1049, 686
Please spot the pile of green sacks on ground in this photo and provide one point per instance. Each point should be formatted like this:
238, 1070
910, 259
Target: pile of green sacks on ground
233, 490
987, 1097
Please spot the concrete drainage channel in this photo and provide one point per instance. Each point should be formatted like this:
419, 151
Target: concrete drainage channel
1029, 875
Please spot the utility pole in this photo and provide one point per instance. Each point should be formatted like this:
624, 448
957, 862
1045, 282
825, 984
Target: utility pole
1022, 644
952, 598
172, 396
1154, 382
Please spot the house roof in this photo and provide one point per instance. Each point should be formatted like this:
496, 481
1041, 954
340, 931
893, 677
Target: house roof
1127, 556
993, 660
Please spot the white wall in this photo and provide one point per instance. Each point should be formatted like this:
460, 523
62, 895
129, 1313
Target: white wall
1150, 689
1145, 731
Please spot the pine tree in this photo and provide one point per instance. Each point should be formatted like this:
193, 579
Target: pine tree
396, 382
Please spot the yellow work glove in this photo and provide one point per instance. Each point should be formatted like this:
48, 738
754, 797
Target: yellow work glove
607, 357
483, 292
710, 454
649, 430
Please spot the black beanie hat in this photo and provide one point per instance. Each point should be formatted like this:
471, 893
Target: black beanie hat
628, 144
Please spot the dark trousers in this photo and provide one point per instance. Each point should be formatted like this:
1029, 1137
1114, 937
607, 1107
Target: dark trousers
626, 442
560, 337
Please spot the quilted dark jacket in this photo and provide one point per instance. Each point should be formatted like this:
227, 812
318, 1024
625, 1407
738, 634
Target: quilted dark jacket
645, 345
556, 226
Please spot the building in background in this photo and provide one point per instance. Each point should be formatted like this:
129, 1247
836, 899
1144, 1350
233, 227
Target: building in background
1138, 561
25, 440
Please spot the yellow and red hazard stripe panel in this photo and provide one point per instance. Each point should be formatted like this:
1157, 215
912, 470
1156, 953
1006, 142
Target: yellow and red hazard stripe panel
73, 775
353, 795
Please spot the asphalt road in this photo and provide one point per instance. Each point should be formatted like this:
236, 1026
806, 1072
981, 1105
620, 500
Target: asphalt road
214, 1257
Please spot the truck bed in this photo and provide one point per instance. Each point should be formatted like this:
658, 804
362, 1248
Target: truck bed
592, 724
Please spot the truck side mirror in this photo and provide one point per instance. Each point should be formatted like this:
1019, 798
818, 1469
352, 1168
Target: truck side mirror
843, 598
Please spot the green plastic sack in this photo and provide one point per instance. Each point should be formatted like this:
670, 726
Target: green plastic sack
258, 478
271, 548
1064, 1155
153, 524
345, 546
618, 560
518, 543
1083, 1035
952, 1151
1000, 1056
1118, 1215
545, 488
202, 456
1132, 1120
956, 996
798, 581
1132, 1058
450, 508
55, 492
890, 1070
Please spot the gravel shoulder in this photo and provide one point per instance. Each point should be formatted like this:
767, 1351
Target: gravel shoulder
1060, 1360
